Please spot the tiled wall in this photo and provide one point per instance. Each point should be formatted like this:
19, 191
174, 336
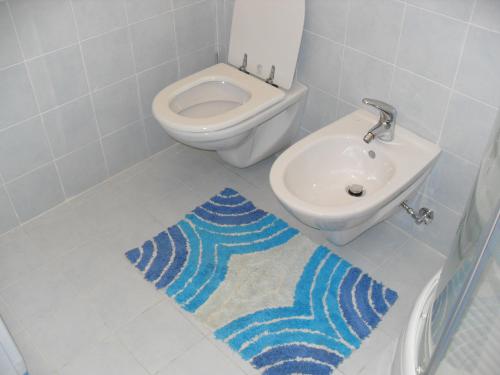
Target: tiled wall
77, 78
437, 61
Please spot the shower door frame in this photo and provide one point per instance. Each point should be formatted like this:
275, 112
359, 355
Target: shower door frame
466, 296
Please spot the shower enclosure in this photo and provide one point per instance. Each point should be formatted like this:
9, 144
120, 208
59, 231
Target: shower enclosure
458, 327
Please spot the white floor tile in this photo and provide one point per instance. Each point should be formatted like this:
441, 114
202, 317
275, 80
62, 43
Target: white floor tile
19, 255
258, 174
57, 232
202, 359
88, 266
35, 362
379, 243
172, 208
106, 211
148, 183
69, 331
66, 287
368, 353
108, 358
39, 295
122, 296
8, 317
415, 265
158, 336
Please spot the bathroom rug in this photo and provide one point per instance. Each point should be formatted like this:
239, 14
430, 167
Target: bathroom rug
282, 302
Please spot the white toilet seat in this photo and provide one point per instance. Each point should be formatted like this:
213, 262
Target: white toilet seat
213, 99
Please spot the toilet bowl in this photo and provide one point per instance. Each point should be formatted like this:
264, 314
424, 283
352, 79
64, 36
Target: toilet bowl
250, 108
334, 181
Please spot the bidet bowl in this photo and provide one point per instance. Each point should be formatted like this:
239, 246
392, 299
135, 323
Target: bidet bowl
312, 177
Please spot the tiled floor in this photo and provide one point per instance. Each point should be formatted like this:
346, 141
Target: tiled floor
76, 306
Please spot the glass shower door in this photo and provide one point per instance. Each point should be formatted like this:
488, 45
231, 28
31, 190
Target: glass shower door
467, 294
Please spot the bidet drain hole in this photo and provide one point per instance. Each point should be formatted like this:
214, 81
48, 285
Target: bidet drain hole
355, 190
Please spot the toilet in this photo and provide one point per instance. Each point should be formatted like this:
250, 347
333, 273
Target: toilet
250, 108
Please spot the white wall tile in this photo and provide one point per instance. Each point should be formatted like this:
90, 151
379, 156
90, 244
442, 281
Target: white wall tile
451, 181
183, 3
364, 76
374, 27
431, 45
95, 17
71, 126
479, 75
194, 27
43, 26
152, 81
11, 52
327, 18
321, 109
58, 67
139, 9
17, 101
108, 58
468, 127
125, 147
156, 136
440, 233
8, 219
117, 105
23, 148
345, 108
320, 63
82, 169
487, 14
421, 104
36, 192
196, 61
460, 9
58, 77
154, 41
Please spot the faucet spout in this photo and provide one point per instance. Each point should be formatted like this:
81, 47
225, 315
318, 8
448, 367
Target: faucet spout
368, 137
384, 129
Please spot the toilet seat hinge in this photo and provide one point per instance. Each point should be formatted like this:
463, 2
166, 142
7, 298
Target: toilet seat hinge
270, 80
243, 67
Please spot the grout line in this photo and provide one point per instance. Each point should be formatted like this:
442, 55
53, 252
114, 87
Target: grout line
90, 94
9, 196
217, 28
83, 40
398, 49
42, 120
342, 57
92, 102
134, 63
176, 45
78, 149
455, 76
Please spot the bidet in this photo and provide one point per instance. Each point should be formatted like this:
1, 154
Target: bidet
334, 181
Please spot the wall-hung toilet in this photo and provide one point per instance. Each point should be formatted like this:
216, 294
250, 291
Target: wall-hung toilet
250, 108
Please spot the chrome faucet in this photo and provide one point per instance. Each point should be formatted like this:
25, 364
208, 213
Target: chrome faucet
384, 129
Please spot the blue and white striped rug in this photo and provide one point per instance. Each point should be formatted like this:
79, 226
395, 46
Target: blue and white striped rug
285, 304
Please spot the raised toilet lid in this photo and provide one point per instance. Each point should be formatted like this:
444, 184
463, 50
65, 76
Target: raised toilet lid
270, 33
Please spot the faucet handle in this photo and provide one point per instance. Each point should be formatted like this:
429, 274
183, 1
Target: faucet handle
387, 112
